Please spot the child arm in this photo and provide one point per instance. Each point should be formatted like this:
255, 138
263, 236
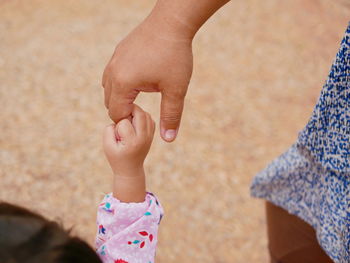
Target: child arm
128, 218
126, 146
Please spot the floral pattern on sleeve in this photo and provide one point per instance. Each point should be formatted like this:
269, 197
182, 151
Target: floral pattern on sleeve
127, 232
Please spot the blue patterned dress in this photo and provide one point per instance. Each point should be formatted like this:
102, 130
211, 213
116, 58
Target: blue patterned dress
312, 178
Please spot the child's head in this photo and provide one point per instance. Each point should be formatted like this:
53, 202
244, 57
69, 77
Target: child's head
26, 237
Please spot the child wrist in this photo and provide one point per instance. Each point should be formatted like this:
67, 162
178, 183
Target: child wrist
129, 188
133, 172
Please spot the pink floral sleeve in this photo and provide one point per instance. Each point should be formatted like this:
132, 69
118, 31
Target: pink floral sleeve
127, 232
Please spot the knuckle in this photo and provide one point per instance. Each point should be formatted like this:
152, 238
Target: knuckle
171, 118
122, 79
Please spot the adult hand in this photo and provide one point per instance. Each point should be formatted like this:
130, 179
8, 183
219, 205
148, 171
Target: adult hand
151, 58
157, 57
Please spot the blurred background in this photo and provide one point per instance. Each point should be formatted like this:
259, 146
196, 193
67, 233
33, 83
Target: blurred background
259, 68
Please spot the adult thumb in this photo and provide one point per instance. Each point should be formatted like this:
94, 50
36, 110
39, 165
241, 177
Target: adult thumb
170, 115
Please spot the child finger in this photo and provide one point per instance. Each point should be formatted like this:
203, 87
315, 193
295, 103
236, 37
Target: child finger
124, 130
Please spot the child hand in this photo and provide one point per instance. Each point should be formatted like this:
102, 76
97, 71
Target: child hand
127, 143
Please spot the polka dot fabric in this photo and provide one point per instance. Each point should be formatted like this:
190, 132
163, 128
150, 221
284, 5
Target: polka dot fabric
312, 178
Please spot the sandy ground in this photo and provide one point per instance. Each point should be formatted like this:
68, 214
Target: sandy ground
259, 67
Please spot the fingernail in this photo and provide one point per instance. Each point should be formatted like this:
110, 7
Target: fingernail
170, 134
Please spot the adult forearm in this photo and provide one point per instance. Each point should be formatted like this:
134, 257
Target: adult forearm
183, 18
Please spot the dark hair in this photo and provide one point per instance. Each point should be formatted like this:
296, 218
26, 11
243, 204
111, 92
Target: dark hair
26, 237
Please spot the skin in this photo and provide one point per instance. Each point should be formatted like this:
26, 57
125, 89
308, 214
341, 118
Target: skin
126, 145
157, 57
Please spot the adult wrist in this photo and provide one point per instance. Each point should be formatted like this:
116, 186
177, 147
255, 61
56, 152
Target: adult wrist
168, 24
183, 18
